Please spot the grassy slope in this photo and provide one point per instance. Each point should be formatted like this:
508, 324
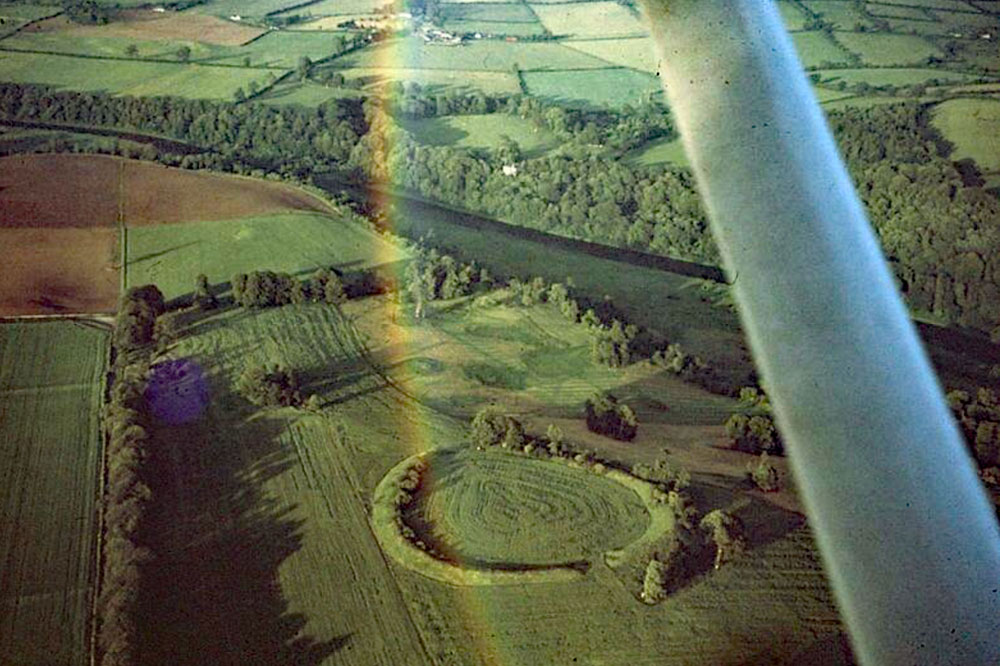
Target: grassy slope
50, 377
973, 125
172, 254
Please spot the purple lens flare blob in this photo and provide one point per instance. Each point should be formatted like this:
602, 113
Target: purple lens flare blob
177, 392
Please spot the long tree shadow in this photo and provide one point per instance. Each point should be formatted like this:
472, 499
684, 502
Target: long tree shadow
212, 594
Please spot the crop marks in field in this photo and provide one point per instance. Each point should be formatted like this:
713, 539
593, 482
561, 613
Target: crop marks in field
50, 400
497, 511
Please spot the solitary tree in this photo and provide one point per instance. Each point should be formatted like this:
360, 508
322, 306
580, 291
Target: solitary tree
204, 299
305, 64
654, 583
726, 531
184, 53
131, 50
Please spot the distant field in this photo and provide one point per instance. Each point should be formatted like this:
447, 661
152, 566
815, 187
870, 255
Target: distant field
973, 125
439, 79
125, 77
954, 5
484, 55
481, 131
896, 76
172, 255
275, 49
335, 7
244, 7
590, 19
841, 13
882, 49
50, 390
817, 48
897, 11
634, 53
791, 15
13, 17
598, 88
501, 19
148, 25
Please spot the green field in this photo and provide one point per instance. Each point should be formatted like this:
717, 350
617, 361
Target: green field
50, 391
280, 50
792, 15
481, 132
660, 151
952, 5
593, 88
437, 79
244, 7
172, 254
816, 49
335, 7
13, 17
484, 55
500, 19
600, 19
634, 53
126, 77
899, 12
305, 93
492, 507
880, 49
895, 76
842, 14
973, 125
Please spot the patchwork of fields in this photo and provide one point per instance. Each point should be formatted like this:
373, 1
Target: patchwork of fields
50, 398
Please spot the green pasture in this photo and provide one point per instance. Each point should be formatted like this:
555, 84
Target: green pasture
948, 5
660, 151
593, 88
125, 77
501, 19
600, 19
841, 13
283, 49
50, 393
436, 79
228, 8
171, 255
973, 126
792, 15
817, 48
334, 7
269, 529
305, 93
632, 52
894, 76
897, 12
482, 55
482, 132
882, 49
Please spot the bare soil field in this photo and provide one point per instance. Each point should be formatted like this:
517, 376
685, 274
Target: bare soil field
59, 215
147, 24
53, 271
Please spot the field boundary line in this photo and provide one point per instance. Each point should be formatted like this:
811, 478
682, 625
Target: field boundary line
102, 475
30, 23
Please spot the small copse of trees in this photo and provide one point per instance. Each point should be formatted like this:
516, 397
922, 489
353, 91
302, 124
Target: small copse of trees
269, 386
607, 416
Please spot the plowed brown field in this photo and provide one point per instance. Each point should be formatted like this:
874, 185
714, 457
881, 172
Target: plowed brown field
60, 214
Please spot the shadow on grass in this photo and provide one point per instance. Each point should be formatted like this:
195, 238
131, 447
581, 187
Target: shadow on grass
212, 594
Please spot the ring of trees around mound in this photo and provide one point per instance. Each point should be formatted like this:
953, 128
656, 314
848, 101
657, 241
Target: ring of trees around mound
496, 517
